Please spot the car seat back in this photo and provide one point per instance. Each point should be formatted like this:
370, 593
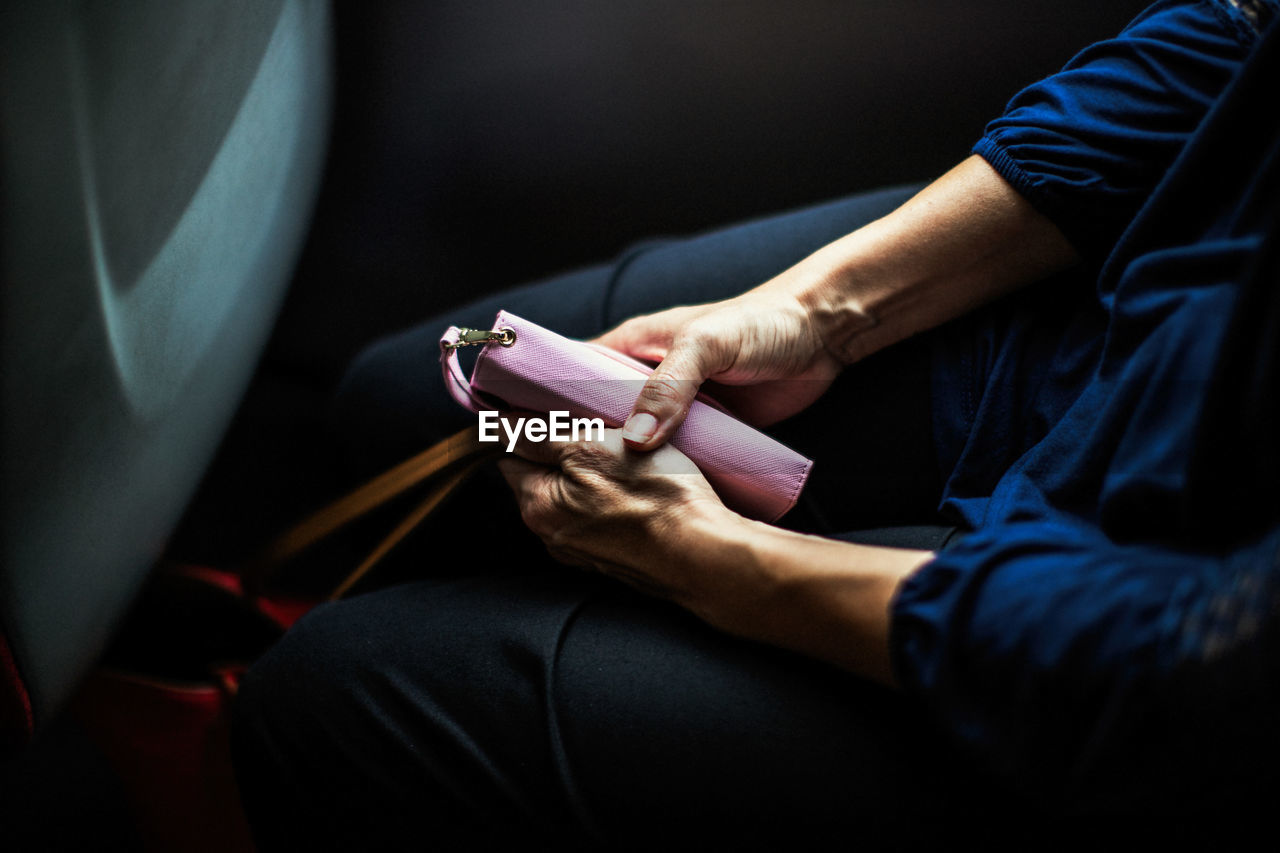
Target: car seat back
159, 161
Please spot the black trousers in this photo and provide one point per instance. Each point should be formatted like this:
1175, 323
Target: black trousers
500, 697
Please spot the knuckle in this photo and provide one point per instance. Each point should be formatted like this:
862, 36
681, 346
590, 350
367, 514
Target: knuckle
665, 391
556, 539
711, 329
575, 451
531, 518
610, 448
701, 328
582, 457
536, 515
707, 344
641, 323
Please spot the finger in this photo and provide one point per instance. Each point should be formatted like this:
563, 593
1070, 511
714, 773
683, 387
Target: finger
649, 336
544, 452
633, 578
523, 477
532, 485
646, 337
667, 394
552, 454
570, 557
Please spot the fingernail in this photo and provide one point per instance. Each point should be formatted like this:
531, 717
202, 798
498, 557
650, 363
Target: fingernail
640, 427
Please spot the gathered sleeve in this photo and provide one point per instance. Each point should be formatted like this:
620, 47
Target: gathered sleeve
1087, 145
1097, 674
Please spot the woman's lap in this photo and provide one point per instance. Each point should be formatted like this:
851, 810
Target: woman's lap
547, 705
543, 695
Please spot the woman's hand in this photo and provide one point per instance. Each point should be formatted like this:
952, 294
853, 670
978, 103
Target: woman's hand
964, 240
601, 506
652, 521
764, 338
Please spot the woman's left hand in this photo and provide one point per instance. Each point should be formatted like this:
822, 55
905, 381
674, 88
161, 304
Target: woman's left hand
624, 513
650, 519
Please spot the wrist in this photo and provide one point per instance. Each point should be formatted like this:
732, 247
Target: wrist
821, 597
726, 582
964, 240
852, 295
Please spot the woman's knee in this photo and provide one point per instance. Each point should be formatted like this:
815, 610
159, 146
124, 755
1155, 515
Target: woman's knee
422, 703
293, 773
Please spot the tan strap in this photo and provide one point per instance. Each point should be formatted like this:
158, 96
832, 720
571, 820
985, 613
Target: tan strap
419, 514
452, 460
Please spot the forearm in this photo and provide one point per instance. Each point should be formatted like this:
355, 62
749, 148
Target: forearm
964, 240
821, 597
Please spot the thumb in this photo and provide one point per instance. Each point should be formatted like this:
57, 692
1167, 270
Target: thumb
667, 394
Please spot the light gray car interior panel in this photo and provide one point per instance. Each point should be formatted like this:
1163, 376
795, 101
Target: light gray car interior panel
160, 160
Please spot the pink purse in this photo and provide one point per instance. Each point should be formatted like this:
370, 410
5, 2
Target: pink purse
524, 366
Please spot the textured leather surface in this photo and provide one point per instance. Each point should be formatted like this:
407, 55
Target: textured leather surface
543, 372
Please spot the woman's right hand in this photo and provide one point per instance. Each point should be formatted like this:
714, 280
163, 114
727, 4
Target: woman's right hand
764, 338
964, 240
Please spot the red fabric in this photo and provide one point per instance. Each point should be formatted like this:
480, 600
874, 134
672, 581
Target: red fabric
283, 611
168, 741
17, 722
169, 746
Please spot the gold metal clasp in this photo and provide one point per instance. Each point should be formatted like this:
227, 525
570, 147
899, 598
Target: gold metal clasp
506, 336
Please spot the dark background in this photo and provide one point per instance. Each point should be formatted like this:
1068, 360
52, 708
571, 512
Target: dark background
480, 144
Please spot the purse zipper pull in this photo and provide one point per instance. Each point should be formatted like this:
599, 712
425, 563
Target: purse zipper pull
506, 336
